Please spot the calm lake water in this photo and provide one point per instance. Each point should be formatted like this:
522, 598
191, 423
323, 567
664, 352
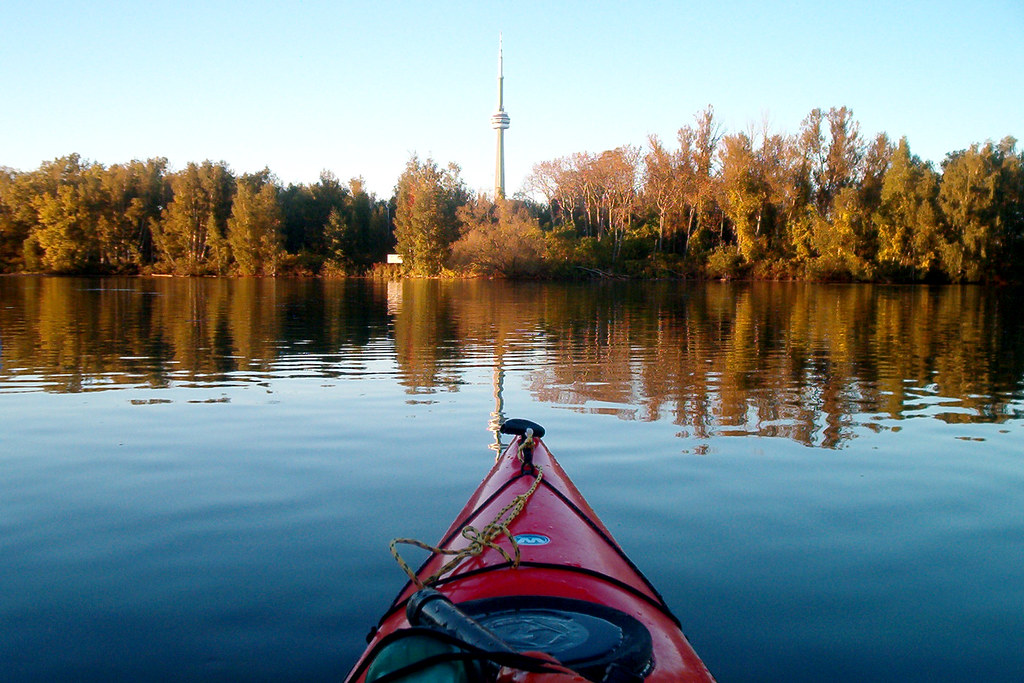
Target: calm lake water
200, 477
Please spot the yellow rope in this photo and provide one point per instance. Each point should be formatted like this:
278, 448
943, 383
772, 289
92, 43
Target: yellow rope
479, 539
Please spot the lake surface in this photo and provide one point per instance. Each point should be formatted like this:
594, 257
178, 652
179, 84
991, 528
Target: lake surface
200, 477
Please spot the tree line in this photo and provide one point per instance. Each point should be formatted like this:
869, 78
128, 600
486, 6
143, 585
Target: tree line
824, 203
73, 216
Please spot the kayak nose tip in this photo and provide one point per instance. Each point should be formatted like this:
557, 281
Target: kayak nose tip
517, 427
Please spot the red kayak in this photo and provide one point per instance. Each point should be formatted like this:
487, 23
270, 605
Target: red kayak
527, 585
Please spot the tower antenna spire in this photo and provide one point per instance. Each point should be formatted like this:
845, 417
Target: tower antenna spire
499, 122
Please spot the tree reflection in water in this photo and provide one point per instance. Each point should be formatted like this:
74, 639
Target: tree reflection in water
812, 363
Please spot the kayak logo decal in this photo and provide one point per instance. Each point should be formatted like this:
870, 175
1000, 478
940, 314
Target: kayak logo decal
531, 539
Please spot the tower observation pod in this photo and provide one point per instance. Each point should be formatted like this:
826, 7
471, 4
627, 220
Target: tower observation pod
499, 122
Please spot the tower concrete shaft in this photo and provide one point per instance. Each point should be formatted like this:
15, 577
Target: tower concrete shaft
499, 122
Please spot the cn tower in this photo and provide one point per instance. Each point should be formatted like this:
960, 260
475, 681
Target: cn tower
499, 122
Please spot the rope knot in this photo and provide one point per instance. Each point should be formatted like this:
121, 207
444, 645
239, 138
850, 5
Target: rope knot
479, 539
525, 450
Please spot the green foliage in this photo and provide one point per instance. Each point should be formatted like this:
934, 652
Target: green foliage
911, 243
775, 269
67, 229
303, 264
839, 242
12, 232
337, 241
745, 193
828, 268
32, 257
135, 195
983, 203
254, 229
821, 204
368, 239
87, 218
725, 262
306, 209
425, 216
189, 236
74, 216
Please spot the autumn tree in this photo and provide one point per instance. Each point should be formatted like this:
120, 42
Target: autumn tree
543, 183
498, 238
698, 147
53, 187
75, 216
1011, 205
611, 192
787, 199
832, 158
660, 185
981, 199
834, 231
745, 193
845, 153
907, 219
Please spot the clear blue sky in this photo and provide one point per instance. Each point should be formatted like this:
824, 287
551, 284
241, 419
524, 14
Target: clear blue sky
356, 87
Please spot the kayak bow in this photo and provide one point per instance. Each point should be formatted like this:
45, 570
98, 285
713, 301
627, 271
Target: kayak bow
527, 585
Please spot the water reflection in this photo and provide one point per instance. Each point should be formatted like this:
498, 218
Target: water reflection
809, 363
497, 416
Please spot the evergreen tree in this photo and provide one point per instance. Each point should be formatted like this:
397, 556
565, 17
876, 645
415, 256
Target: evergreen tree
254, 229
337, 243
425, 222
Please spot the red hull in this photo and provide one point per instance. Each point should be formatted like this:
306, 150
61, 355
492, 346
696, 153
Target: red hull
580, 561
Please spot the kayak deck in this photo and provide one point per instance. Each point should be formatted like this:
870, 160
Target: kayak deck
564, 553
